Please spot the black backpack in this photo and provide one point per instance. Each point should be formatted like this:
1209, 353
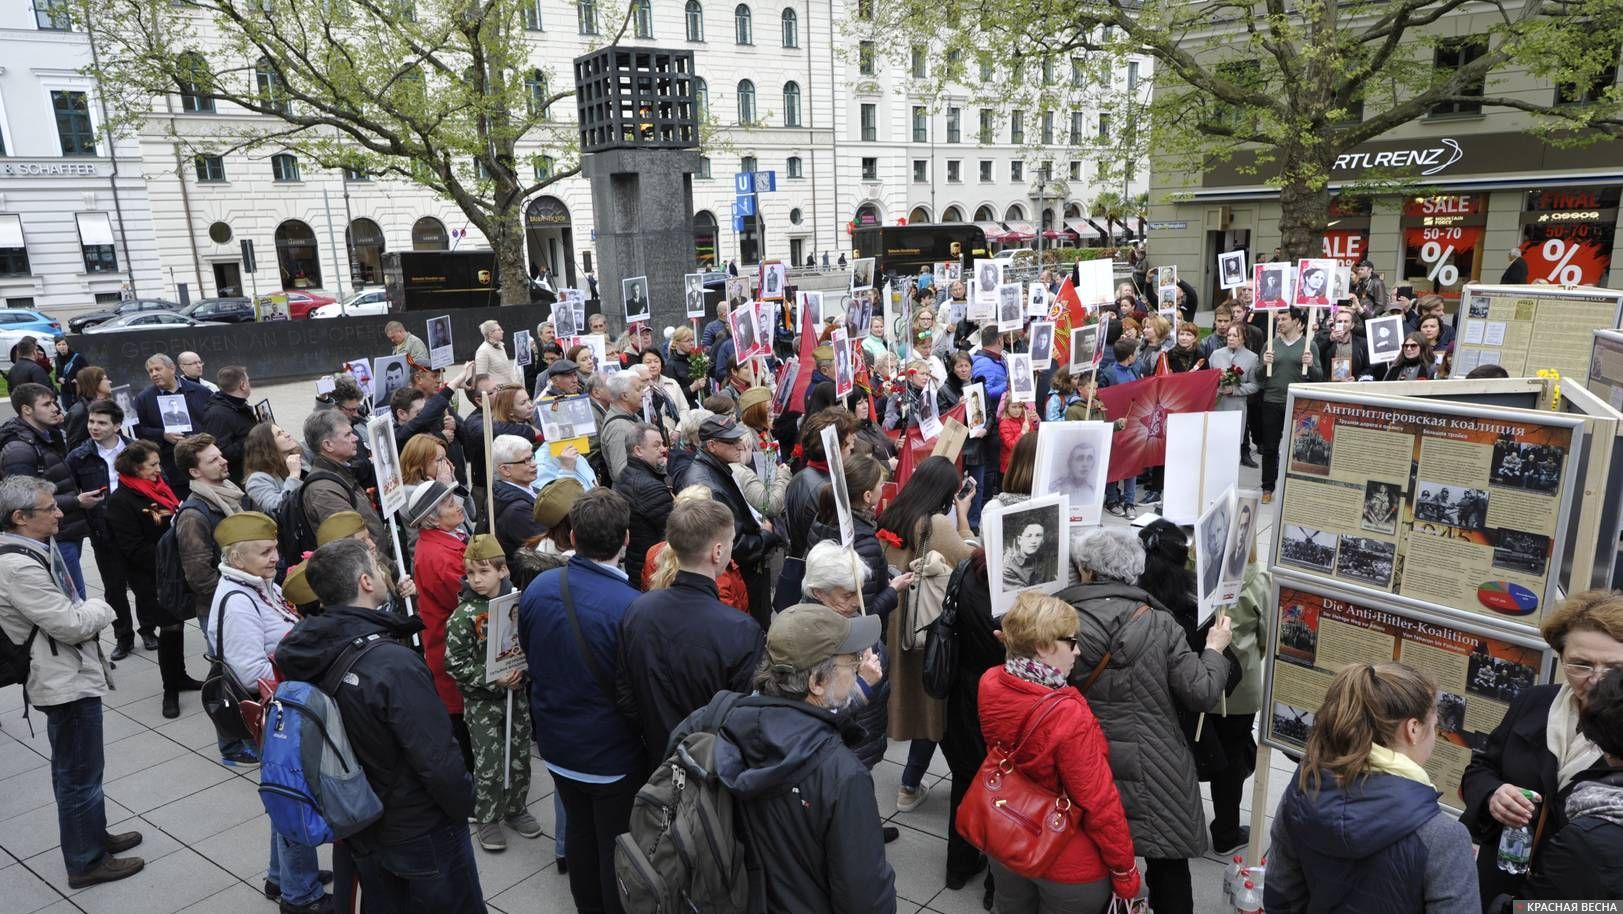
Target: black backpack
174, 593
15, 659
941, 639
295, 534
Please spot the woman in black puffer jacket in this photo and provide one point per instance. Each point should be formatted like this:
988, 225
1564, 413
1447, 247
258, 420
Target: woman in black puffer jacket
864, 478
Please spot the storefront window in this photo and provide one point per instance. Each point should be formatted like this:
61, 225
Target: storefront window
1567, 235
1442, 243
1347, 238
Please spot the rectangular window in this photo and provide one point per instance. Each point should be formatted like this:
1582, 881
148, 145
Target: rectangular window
870, 123
543, 167
920, 62
1132, 74
25, 302
865, 58
704, 166
988, 132
1570, 93
1076, 171
96, 239
986, 171
13, 251
1048, 71
1017, 127
532, 15
955, 171
747, 164
921, 171
210, 168
1450, 56
954, 116
355, 175
1017, 171
795, 168
284, 168
1078, 128
921, 124
1078, 74
72, 110
986, 70
1104, 128
586, 16
52, 15
1048, 128
870, 168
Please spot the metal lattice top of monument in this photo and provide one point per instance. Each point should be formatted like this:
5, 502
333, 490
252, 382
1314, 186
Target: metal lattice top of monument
636, 98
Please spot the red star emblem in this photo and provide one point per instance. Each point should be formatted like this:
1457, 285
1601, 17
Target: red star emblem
1154, 420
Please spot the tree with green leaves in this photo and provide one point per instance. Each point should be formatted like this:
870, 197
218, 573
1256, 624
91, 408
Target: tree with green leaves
1288, 86
440, 92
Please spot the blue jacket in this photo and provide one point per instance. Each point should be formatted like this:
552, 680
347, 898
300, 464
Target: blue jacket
576, 723
1117, 373
1379, 845
991, 369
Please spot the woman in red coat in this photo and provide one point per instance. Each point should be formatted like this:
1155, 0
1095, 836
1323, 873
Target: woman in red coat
1065, 752
437, 570
1015, 419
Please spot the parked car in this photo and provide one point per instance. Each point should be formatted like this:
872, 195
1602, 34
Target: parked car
30, 322
149, 320
300, 304
367, 301
221, 310
128, 306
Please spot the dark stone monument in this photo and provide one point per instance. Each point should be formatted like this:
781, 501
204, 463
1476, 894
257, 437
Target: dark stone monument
639, 141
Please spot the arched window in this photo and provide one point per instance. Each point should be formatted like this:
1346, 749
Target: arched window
366, 244
746, 102
192, 79
919, 216
795, 166
791, 104
791, 28
1015, 213
428, 234
705, 236
642, 18
272, 90
694, 14
985, 213
952, 214
535, 91
701, 98
298, 256
741, 24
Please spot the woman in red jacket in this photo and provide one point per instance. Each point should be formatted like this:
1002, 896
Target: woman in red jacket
1014, 420
437, 569
1065, 753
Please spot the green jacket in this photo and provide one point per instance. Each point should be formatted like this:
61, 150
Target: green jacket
465, 649
1250, 635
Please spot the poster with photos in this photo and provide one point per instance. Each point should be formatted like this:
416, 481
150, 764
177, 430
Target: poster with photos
774, 280
929, 413
564, 325
1027, 548
747, 338
360, 371
862, 274
1022, 383
126, 402
1037, 299
844, 373
1073, 459
440, 347
859, 315
1384, 337
810, 310
1085, 351
390, 375
176, 417
523, 348
1274, 285
1315, 278
975, 414
386, 464
504, 650
693, 294
738, 291
634, 295
1010, 316
836, 479
1041, 335
1211, 541
1231, 269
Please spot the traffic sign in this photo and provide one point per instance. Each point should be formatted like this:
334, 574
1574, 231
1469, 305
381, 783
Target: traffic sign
744, 205
744, 182
248, 263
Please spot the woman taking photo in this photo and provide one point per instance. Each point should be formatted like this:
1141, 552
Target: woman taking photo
272, 466
1415, 364
1029, 707
248, 618
138, 513
1146, 672
1360, 819
1537, 745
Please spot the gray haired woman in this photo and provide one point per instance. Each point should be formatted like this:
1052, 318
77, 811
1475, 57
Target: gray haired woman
1141, 667
834, 577
491, 358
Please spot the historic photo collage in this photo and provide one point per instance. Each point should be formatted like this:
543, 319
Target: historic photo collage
1476, 676
1527, 331
1453, 510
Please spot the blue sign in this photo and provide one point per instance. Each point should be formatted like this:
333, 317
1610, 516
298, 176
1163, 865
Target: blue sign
766, 181
738, 224
755, 182
744, 182
744, 206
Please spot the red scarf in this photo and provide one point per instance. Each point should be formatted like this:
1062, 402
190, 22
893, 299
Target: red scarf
819, 465
156, 490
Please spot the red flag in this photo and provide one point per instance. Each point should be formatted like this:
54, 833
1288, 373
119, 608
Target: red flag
1145, 405
808, 364
912, 448
1068, 313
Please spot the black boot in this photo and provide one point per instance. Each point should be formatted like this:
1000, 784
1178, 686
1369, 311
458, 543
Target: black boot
172, 668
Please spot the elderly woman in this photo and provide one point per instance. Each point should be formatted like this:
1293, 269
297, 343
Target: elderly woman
272, 466
761, 475
425, 459
492, 359
138, 513
437, 566
685, 446
1029, 702
248, 618
835, 577
1537, 745
1136, 669
1240, 363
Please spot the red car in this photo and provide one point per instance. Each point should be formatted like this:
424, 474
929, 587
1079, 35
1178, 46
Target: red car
300, 304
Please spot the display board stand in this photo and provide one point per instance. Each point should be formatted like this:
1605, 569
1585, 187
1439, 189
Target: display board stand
1530, 328
1605, 382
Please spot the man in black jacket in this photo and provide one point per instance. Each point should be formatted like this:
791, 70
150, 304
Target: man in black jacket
721, 646
229, 418
92, 467
401, 735
149, 421
24, 370
514, 464
800, 499
31, 444
642, 482
721, 439
805, 801
1340, 352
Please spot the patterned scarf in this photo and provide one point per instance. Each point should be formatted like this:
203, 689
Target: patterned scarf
1033, 670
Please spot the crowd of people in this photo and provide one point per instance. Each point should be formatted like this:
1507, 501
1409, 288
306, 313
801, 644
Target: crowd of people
686, 539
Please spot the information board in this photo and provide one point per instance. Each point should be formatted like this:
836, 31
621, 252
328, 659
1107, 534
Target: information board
1313, 635
1459, 508
1526, 329
1606, 367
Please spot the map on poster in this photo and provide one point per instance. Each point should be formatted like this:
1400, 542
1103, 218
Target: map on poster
1456, 505
1606, 368
1315, 636
1527, 328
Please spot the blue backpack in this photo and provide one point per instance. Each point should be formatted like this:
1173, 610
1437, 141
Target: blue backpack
309, 779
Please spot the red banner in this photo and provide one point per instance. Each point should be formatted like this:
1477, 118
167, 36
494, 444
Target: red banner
1067, 313
912, 449
1145, 404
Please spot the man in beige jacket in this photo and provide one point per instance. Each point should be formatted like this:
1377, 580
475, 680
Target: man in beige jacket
67, 676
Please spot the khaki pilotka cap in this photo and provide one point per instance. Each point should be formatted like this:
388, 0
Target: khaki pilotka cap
803, 636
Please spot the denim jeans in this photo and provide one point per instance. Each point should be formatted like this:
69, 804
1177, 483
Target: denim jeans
1124, 492
919, 754
72, 550
433, 872
561, 822
74, 730
294, 867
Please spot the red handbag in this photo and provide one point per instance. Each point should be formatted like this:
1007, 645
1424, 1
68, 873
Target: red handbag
1009, 818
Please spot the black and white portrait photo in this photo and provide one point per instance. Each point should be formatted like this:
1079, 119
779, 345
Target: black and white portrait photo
862, 274
1022, 386
693, 293
563, 321
1027, 548
844, 380
440, 353
1073, 459
523, 347
738, 291
634, 293
176, 418
1041, 334
1364, 559
1457, 506
859, 315
1526, 466
1307, 548
1037, 298
1276, 285
774, 280
836, 478
1385, 338
811, 309
1479, 307
1009, 315
386, 463
975, 405
389, 375
1239, 547
746, 333
988, 276
1231, 269
263, 411
1211, 548
1381, 502
1084, 349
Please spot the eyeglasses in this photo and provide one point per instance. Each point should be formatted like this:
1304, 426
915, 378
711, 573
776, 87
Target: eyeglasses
509, 463
1411, 345
1581, 670
1068, 642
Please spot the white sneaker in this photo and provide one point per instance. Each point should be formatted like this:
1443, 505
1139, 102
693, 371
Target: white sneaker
909, 800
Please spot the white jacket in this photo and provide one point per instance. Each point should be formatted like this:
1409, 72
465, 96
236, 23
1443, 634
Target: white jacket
255, 619
67, 663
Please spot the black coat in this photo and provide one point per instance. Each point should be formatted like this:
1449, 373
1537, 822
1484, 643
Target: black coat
430, 420
877, 596
229, 419
28, 371
149, 425
25, 451
658, 686
135, 535
473, 440
395, 721
800, 507
89, 474
651, 503
1323, 347
515, 517
1582, 860
1515, 274
751, 544
806, 806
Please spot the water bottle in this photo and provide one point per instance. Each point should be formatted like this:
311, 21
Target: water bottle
1516, 844
1249, 899
1231, 877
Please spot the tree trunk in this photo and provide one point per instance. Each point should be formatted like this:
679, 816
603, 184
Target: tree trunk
1304, 214
509, 247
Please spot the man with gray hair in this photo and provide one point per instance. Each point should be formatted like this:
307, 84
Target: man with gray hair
513, 460
149, 418
804, 798
625, 389
331, 485
642, 482
407, 344
40, 610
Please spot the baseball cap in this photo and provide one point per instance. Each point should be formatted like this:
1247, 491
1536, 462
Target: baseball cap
803, 636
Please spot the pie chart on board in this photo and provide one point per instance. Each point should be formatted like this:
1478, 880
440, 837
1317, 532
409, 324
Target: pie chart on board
1506, 598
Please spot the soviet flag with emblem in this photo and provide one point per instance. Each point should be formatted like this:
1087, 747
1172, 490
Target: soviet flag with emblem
1145, 405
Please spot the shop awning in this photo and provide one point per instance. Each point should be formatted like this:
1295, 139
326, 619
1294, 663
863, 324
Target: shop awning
11, 231
994, 232
95, 229
1020, 231
1066, 232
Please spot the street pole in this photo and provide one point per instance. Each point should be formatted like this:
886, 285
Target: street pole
332, 239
